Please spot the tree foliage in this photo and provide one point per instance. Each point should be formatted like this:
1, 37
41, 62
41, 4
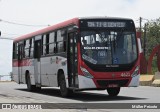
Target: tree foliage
150, 39
152, 35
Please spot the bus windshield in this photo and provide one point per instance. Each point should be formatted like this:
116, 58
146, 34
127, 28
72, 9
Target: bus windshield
108, 47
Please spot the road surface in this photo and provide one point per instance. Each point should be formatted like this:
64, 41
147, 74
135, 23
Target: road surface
12, 92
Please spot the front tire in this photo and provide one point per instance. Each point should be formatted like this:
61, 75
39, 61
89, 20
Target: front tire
113, 91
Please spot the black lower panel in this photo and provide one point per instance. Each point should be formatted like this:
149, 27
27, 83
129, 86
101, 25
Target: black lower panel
105, 83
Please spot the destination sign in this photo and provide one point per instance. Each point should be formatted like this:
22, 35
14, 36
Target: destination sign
106, 24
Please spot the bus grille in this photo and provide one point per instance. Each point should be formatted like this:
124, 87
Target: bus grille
105, 83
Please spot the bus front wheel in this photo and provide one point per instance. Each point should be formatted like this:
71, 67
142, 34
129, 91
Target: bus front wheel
113, 91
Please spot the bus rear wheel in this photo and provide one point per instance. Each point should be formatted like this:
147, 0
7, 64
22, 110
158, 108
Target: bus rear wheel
30, 87
113, 91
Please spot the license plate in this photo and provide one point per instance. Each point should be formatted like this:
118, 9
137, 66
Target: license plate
112, 85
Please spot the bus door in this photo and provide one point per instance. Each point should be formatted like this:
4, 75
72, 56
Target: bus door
20, 62
37, 56
72, 60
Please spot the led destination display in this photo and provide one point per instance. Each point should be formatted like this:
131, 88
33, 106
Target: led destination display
106, 24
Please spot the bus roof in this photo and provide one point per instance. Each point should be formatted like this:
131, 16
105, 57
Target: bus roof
60, 25
48, 29
99, 17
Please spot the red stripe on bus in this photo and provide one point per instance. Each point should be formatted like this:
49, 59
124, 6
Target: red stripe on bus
26, 62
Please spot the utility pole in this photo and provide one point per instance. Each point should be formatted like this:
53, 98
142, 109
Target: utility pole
144, 43
140, 24
140, 28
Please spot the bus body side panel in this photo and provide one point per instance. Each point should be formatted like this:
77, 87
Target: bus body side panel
48, 71
45, 70
62, 65
28, 65
134, 81
15, 71
85, 82
32, 73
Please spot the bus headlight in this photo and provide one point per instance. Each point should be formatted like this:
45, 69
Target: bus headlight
86, 73
135, 73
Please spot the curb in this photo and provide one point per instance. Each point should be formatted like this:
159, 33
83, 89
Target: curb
156, 83
146, 80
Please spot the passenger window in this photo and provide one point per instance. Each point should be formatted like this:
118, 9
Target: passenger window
27, 44
44, 45
47, 44
52, 43
15, 50
31, 47
61, 41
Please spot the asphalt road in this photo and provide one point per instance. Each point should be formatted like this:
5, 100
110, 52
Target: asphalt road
14, 92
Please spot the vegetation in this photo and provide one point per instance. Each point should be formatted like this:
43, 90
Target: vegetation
150, 39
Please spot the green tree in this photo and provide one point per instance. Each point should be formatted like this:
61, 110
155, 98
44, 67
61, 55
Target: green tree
152, 35
152, 40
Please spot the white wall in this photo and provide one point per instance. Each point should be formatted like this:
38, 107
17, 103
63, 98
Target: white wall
5, 58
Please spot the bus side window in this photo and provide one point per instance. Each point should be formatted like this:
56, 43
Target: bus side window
52, 43
64, 40
61, 41
26, 48
55, 42
47, 43
23, 49
31, 47
44, 45
15, 50
20, 50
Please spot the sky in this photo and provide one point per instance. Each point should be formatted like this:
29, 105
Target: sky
49, 12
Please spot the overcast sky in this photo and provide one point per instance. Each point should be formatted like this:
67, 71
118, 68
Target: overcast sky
49, 12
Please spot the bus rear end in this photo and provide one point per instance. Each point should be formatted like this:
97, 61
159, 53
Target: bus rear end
108, 54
